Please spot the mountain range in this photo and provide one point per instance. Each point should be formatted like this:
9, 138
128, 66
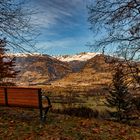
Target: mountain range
84, 69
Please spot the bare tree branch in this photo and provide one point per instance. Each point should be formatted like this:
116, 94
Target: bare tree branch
120, 21
15, 24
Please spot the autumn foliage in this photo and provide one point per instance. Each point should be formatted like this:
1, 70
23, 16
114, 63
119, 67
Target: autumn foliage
7, 70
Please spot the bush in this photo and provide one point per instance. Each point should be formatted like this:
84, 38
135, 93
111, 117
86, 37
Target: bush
84, 112
119, 97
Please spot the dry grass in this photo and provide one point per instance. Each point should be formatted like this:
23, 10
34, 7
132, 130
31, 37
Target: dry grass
18, 124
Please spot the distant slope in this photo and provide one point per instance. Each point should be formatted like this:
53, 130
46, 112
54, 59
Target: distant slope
94, 72
77, 61
92, 75
40, 69
37, 69
77, 57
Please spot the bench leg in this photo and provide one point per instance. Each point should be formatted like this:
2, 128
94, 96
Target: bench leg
44, 114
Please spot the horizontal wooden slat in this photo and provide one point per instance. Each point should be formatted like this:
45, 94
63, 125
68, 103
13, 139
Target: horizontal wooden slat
15, 87
20, 97
1, 90
2, 96
2, 102
23, 97
21, 102
25, 91
23, 106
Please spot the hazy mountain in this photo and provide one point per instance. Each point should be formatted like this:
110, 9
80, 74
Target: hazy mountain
77, 57
95, 71
36, 69
84, 69
77, 61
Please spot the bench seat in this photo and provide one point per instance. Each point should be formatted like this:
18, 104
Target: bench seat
25, 97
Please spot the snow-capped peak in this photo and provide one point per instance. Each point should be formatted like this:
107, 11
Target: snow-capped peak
84, 56
24, 54
79, 57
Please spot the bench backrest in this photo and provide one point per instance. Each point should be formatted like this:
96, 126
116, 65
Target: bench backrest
20, 97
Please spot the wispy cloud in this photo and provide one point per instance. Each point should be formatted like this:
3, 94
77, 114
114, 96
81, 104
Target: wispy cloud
62, 23
73, 44
52, 12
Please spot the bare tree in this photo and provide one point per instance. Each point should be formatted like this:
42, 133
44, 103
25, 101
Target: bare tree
15, 24
119, 22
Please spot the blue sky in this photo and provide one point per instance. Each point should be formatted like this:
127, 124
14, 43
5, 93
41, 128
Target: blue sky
62, 25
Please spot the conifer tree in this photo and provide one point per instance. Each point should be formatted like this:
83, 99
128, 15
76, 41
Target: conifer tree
7, 70
119, 96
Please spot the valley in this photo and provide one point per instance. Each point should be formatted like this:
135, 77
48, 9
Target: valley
77, 90
85, 70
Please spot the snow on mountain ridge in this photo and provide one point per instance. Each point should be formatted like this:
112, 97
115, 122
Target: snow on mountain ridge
65, 58
78, 57
24, 54
30, 54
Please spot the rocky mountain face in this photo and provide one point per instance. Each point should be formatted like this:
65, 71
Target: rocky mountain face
84, 56
94, 72
77, 61
86, 72
85, 69
39, 69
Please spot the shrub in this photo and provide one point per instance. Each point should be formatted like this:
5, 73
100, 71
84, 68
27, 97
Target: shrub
84, 112
119, 96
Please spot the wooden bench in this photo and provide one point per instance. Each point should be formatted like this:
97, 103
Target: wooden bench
25, 98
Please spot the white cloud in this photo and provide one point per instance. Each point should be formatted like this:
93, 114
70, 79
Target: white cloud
65, 43
50, 13
43, 20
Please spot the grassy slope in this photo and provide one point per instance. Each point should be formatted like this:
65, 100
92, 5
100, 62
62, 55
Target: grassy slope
94, 75
24, 125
